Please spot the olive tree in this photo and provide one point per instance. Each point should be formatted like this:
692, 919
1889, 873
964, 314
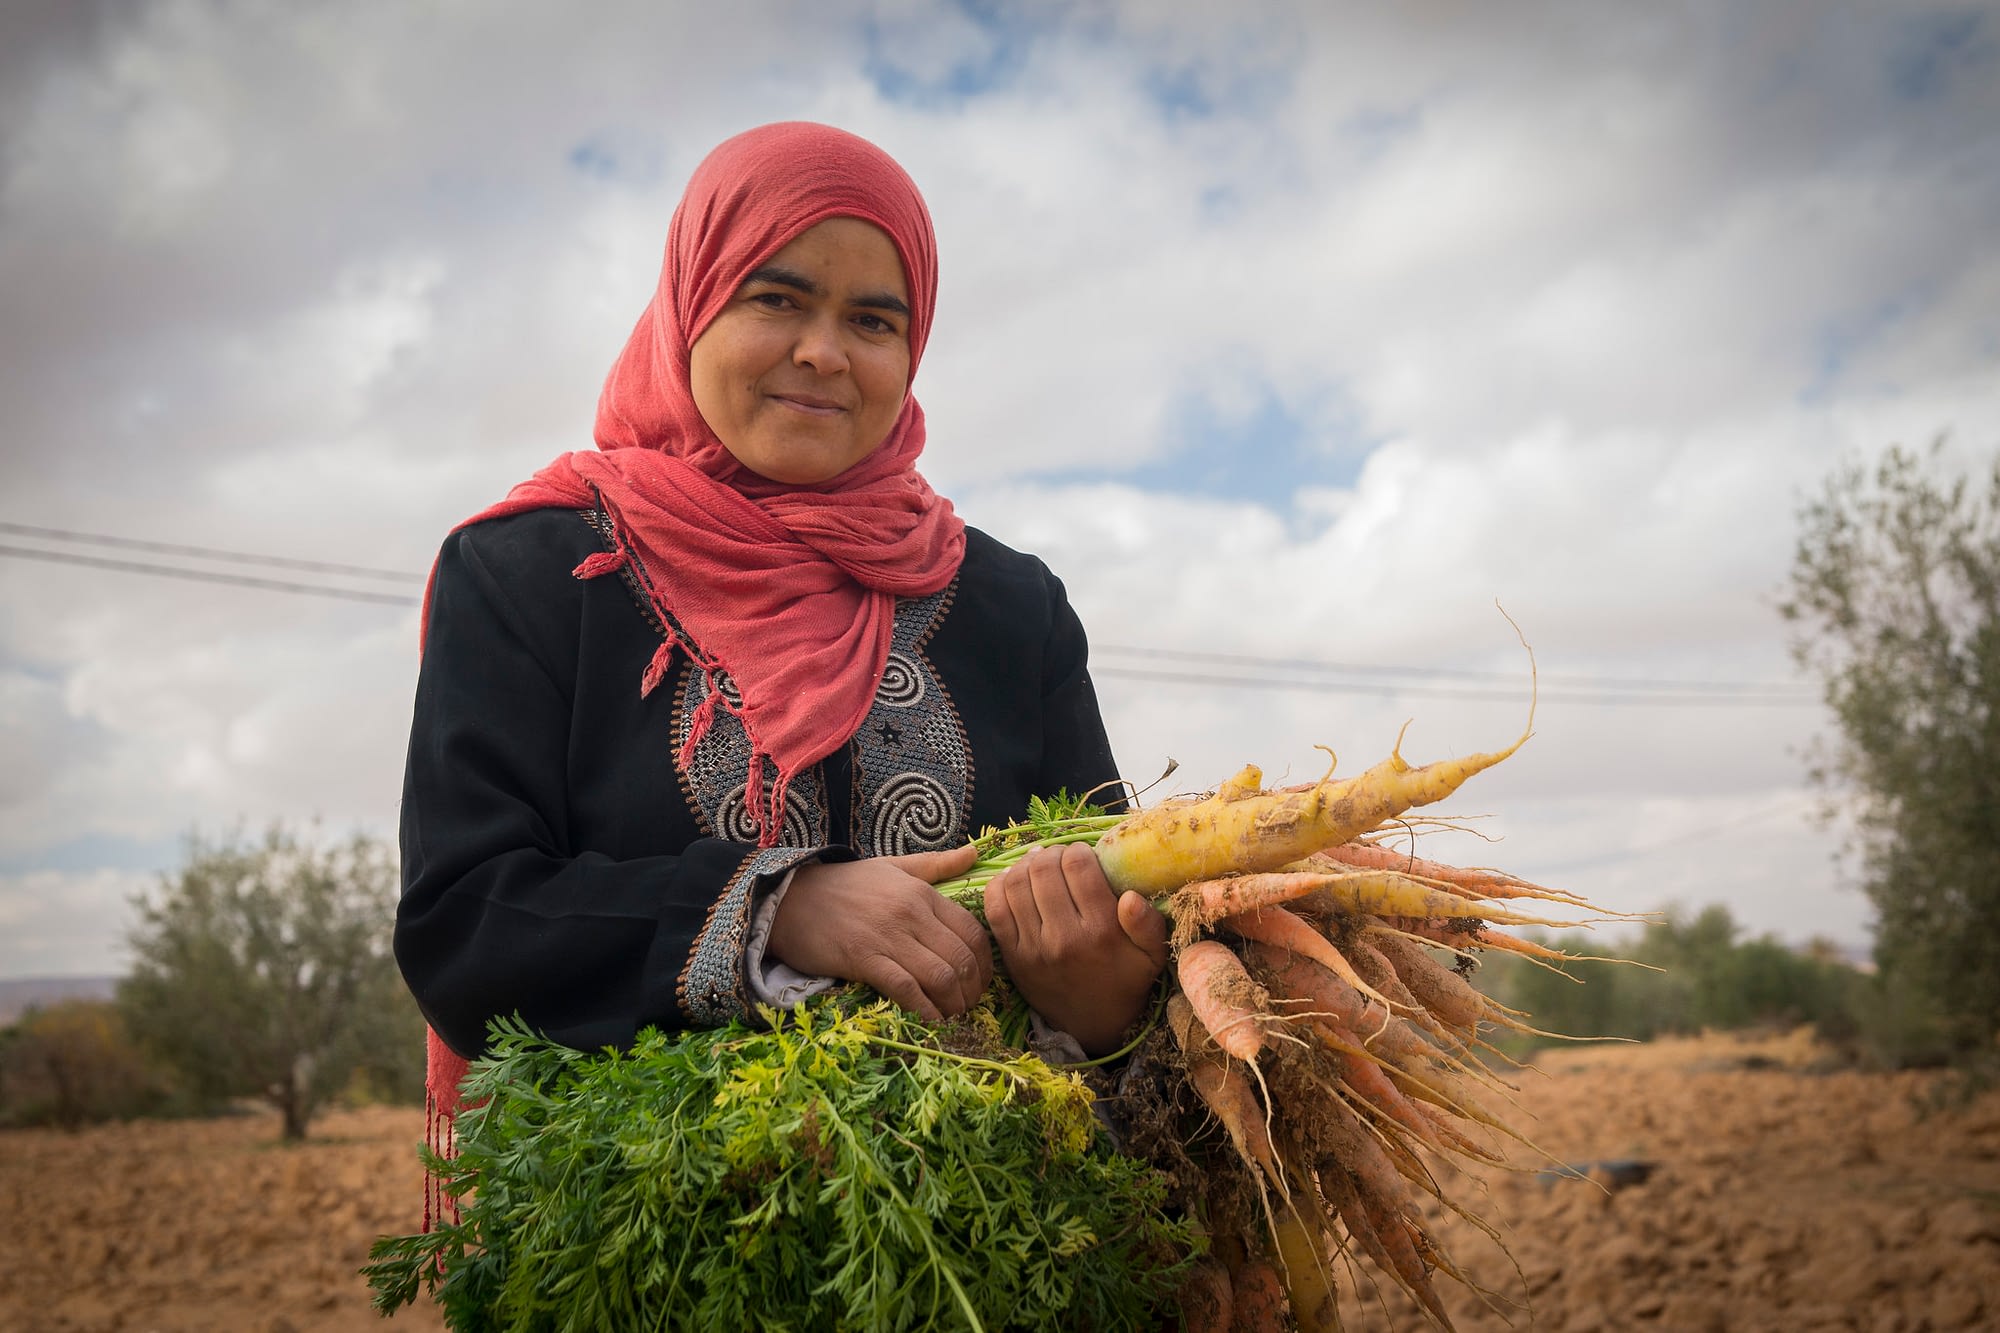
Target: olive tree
1894, 603
263, 969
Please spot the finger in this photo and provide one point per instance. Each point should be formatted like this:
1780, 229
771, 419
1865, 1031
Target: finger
1021, 902
896, 982
935, 867
1095, 903
1144, 926
971, 936
1059, 911
1000, 916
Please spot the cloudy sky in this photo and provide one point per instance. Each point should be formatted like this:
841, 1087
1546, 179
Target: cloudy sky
1294, 336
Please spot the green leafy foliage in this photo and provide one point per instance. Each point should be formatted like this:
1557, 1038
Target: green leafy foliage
850, 1169
1895, 606
1692, 972
264, 970
71, 1064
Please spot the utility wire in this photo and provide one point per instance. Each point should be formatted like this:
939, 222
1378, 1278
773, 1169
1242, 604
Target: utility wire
206, 553
1450, 673
1255, 676
1604, 695
212, 576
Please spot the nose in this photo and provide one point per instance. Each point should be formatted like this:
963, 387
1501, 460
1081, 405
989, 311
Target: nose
821, 346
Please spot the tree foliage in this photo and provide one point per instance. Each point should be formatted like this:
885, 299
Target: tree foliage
1681, 975
264, 970
71, 1064
1894, 601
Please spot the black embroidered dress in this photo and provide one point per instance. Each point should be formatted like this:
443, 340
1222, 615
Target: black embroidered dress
558, 862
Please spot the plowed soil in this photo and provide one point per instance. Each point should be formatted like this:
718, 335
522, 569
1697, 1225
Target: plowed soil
1776, 1195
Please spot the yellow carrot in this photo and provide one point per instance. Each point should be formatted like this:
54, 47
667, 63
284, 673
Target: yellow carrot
1240, 829
1308, 1284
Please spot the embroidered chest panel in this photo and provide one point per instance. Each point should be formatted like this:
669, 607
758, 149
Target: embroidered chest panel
911, 769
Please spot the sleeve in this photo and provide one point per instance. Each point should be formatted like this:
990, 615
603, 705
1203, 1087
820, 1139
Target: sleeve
501, 912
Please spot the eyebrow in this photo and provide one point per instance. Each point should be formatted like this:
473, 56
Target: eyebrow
799, 282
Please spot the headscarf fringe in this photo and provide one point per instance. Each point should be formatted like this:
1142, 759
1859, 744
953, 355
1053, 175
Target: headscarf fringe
441, 1137
600, 564
656, 670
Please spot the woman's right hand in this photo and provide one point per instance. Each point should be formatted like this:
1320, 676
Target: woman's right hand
878, 921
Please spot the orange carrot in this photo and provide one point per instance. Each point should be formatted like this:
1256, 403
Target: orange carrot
1276, 926
1476, 882
1226, 1093
1444, 933
1313, 991
1204, 1299
1371, 892
1393, 1227
1447, 995
1258, 1298
1365, 1078
1225, 1000
1371, 964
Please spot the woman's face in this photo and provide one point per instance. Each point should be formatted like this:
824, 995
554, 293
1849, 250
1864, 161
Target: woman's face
805, 370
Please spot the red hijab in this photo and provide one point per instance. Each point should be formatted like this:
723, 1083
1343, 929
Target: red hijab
791, 590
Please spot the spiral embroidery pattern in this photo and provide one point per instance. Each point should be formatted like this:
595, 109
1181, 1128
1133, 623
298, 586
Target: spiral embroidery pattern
912, 767
902, 682
714, 775
912, 813
733, 821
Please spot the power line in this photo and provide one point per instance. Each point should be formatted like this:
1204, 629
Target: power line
1760, 688
206, 552
1604, 690
1518, 695
212, 576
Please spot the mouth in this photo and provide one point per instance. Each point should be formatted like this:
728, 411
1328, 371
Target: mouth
810, 404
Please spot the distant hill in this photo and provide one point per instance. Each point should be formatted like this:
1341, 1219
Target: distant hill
20, 994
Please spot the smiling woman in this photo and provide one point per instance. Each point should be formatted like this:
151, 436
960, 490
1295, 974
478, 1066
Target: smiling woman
706, 711
803, 374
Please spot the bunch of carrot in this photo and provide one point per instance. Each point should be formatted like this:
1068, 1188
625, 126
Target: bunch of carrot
1310, 1016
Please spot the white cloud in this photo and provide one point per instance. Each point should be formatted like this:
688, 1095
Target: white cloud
1598, 293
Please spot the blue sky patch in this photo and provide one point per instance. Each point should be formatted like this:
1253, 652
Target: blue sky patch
616, 157
1931, 50
1839, 341
1007, 35
99, 851
1263, 455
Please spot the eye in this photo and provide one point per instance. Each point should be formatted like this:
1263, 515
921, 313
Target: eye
876, 324
771, 300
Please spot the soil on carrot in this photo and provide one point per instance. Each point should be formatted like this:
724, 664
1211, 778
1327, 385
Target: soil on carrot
1747, 1188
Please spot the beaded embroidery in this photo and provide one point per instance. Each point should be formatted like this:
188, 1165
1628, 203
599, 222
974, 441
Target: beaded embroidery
912, 766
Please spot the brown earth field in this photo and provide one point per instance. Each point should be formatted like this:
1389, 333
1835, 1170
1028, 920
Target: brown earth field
1778, 1194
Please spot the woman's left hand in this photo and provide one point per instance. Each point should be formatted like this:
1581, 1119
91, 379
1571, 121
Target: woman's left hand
1085, 957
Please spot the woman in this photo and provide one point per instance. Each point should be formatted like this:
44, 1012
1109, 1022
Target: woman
704, 713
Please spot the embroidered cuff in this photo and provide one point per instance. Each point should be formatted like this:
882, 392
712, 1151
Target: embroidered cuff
771, 982
714, 987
